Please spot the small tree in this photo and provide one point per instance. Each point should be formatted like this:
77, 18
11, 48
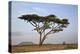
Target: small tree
64, 43
45, 25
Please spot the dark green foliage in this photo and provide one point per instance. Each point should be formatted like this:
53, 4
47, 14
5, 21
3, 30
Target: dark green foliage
49, 18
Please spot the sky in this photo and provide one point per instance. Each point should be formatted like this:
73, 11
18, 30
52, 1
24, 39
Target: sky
23, 31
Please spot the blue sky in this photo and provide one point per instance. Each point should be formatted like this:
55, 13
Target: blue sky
22, 31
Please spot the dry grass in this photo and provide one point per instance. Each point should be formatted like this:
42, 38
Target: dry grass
45, 47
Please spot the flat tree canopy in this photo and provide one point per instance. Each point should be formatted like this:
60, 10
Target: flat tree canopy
49, 18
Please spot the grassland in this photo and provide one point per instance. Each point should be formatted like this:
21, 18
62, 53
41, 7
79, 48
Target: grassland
44, 47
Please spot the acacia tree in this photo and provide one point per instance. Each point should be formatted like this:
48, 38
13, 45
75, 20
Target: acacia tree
45, 25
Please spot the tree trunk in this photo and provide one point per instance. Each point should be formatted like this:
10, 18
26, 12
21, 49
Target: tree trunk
40, 40
40, 44
43, 40
45, 37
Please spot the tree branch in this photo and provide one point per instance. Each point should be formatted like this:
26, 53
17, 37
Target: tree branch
49, 33
45, 36
32, 24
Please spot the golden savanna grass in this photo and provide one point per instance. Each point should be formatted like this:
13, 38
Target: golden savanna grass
44, 47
